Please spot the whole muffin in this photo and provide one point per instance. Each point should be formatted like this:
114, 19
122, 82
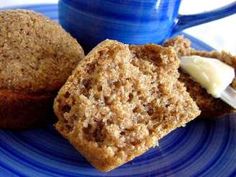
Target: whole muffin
36, 58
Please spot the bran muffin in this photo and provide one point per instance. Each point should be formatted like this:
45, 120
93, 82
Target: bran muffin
36, 58
120, 100
209, 106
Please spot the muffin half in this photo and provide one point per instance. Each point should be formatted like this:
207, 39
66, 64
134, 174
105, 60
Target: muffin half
209, 106
120, 100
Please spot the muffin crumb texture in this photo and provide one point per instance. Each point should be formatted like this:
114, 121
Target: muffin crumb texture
120, 100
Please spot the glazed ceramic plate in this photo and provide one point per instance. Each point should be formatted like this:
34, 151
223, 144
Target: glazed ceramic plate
202, 148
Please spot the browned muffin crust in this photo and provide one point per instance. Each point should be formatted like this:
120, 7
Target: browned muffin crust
209, 106
36, 58
120, 100
19, 111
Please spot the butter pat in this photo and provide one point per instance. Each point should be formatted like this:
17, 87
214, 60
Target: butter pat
212, 74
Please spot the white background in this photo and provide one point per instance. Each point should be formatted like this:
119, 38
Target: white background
219, 34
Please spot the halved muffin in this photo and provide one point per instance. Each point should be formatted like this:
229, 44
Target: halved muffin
120, 100
209, 106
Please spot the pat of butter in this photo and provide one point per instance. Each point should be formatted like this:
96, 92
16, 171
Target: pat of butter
212, 74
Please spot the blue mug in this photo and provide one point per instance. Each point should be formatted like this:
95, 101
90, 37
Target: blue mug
129, 21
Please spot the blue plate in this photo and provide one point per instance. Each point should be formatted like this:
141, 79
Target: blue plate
202, 148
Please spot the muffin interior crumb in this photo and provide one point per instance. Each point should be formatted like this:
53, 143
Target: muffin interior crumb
120, 100
115, 97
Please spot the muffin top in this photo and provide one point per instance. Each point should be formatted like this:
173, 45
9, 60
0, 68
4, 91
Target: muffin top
36, 54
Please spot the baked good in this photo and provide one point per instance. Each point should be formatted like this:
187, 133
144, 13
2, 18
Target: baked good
209, 106
36, 58
120, 100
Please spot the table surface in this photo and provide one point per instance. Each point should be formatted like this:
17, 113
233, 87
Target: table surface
220, 34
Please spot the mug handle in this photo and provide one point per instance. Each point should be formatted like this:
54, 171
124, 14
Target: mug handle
186, 21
